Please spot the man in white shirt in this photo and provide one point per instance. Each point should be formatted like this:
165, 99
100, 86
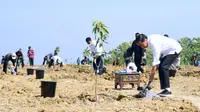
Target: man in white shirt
169, 48
55, 60
96, 52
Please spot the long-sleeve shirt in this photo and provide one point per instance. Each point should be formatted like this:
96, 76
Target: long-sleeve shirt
8, 58
162, 45
30, 53
56, 59
138, 51
19, 54
49, 55
96, 50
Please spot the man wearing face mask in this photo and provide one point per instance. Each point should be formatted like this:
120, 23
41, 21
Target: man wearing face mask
169, 48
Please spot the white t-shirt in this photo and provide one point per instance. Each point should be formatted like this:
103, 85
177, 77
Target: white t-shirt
56, 59
162, 45
96, 50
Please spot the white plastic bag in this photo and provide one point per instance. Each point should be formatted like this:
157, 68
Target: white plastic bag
131, 68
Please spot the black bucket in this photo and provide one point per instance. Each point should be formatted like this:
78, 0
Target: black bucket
48, 88
39, 74
30, 71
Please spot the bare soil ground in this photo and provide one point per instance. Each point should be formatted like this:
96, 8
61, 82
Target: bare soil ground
75, 92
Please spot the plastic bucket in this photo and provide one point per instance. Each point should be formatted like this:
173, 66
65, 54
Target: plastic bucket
30, 71
48, 88
39, 74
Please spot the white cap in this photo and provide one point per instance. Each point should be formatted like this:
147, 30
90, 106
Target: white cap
14, 56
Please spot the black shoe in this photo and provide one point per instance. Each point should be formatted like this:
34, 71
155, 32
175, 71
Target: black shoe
165, 93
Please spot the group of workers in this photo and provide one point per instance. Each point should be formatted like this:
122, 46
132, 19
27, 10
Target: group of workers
17, 58
165, 52
14, 60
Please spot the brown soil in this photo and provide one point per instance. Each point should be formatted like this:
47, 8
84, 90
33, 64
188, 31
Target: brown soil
75, 92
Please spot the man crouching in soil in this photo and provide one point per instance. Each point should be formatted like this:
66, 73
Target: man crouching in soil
169, 48
56, 61
11, 57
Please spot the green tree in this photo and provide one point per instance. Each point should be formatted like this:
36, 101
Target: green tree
187, 50
57, 49
101, 34
86, 52
100, 31
118, 53
149, 56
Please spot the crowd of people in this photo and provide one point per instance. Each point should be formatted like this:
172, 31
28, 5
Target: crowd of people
14, 60
166, 57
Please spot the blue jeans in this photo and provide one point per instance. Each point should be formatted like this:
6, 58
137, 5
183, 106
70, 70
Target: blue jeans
98, 65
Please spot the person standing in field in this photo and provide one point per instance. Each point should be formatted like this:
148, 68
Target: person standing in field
169, 48
96, 52
20, 58
2, 60
31, 56
78, 61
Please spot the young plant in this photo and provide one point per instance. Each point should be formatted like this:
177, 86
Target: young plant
100, 31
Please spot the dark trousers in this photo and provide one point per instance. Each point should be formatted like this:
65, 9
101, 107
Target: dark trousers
20, 60
45, 61
51, 63
138, 62
98, 64
5, 66
164, 69
31, 61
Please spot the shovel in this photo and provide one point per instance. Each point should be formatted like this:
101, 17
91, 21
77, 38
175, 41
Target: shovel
143, 93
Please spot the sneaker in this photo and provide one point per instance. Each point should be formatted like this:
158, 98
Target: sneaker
165, 93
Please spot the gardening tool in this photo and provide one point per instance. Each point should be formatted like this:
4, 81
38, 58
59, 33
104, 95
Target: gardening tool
143, 93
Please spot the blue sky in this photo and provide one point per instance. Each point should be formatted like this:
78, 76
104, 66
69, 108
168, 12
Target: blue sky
45, 24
